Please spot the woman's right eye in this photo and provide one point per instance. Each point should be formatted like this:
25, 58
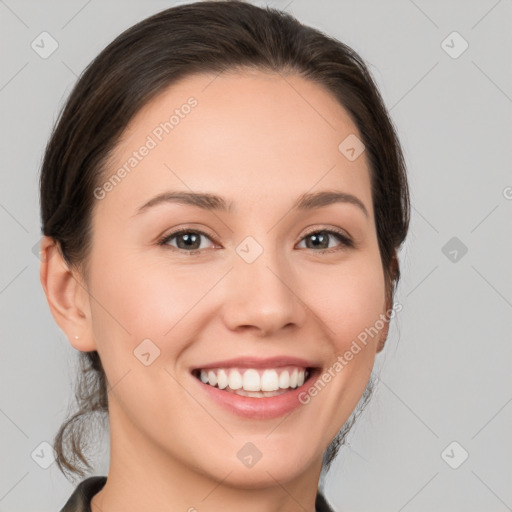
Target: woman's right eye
187, 240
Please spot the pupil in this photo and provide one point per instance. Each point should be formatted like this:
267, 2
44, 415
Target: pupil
188, 239
318, 238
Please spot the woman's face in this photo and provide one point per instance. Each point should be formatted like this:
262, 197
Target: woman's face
256, 280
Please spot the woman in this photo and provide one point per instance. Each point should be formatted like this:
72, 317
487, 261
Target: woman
222, 199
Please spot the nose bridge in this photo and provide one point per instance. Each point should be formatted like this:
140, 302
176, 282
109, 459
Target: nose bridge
260, 291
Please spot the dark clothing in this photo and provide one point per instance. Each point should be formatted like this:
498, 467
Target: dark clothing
80, 500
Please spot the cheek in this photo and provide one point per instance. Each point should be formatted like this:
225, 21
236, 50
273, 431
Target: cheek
144, 300
139, 299
349, 298
140, 327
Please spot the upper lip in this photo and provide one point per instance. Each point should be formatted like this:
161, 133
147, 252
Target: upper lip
258, 362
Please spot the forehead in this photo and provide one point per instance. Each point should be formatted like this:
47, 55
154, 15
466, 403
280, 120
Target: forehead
244, 135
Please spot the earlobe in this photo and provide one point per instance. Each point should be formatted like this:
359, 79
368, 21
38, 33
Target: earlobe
385, 329
389, 301
383, 337
67, 296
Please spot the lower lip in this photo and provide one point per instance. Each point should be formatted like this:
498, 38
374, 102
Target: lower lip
258, 408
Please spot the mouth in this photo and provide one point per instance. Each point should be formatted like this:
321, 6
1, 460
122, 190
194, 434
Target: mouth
255, 382
256, 388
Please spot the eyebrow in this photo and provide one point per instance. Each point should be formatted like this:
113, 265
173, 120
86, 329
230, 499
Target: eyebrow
208, 201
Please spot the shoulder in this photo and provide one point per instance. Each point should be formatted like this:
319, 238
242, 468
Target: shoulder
80, 500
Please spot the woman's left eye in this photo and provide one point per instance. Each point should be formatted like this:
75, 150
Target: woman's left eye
189, 240
320, 238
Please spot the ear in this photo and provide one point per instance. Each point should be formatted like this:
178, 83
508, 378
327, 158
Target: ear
383, 335
67, 296
388, 304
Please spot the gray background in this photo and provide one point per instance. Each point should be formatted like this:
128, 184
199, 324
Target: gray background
446, 372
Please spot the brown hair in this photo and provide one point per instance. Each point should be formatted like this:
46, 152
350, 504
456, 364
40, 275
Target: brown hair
208, 36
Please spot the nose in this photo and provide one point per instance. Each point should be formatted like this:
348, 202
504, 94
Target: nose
263, 296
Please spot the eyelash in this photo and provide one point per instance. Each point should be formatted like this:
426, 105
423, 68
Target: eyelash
346, 242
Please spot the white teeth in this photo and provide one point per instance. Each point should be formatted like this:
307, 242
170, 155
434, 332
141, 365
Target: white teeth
250, 381
269, 381
212, 378
293, 379
222, 379
284, 380
235, 379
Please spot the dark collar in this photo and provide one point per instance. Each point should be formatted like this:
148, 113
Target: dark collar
80, 500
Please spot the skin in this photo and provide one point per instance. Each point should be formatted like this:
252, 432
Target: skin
260, 141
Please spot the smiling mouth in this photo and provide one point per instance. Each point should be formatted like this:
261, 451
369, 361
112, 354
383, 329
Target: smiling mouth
255, 383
